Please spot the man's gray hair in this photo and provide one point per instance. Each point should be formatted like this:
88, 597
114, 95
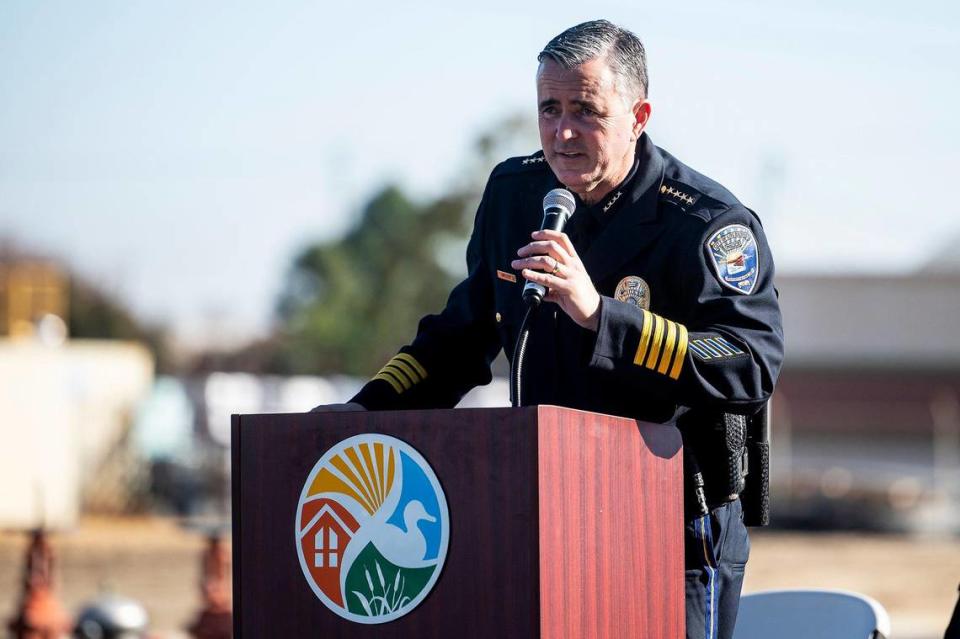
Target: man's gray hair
597, 39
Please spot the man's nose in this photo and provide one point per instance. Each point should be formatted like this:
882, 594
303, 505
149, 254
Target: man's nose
565, 129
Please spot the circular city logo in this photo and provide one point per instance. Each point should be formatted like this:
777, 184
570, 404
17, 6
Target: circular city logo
372, 528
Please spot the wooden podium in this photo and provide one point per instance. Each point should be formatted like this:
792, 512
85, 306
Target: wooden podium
563, 523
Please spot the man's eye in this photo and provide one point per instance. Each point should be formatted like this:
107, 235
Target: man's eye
587, 112
548, 111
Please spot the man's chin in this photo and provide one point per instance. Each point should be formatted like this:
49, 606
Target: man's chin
576, 181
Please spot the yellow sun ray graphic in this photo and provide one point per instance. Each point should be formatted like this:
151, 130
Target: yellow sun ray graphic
371, 472
356, 472
390, 460
378, 456
361, 472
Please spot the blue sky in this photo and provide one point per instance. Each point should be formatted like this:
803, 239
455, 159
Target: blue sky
181, 152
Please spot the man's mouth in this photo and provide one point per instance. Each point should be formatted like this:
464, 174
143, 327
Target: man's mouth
568, 154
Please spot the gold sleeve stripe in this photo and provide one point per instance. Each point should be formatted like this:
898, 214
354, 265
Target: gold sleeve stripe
387, 378
681, 353
400, 374
656, 342
668, 346
409, 359
644, 338
662, 342
400, 379
406, 368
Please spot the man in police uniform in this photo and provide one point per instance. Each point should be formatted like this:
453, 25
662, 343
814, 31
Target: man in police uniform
660, 304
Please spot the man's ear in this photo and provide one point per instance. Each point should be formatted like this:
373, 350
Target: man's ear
641, 116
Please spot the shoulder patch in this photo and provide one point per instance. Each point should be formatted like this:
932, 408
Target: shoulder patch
679, 194
733, 250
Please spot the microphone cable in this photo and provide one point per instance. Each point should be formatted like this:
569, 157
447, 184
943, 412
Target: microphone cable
519, 351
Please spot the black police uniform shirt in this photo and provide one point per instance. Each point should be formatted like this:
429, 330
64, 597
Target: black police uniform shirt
689, 317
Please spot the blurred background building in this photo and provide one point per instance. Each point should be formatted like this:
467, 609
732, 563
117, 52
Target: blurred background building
66, 406
867, 414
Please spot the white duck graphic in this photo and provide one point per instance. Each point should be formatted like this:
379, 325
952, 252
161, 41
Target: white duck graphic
401, 548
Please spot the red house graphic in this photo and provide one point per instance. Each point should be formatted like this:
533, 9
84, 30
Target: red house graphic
327, 527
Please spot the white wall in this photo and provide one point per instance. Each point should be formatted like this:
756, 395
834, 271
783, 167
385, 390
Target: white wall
61, 409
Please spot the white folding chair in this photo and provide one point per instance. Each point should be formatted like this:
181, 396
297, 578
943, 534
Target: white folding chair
810, 614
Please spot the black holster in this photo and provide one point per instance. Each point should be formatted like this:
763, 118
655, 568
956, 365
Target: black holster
755, 497
727, 455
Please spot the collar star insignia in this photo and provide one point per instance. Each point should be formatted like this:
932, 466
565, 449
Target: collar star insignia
677, 195
611, 201
534, 159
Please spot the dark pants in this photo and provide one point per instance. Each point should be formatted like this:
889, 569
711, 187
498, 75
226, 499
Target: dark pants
716, 548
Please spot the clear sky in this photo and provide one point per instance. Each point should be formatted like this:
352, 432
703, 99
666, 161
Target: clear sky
181, 152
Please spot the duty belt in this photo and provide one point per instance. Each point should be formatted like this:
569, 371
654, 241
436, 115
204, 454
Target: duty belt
720, 451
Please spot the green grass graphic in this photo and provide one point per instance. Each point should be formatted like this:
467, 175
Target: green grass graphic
376, 587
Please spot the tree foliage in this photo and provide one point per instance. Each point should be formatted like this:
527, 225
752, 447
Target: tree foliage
347, 305
95, 314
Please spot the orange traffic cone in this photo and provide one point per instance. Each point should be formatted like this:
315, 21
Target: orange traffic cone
214, 620
40, 615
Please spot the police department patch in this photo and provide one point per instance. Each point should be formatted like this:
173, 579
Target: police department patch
734, 252
633, 290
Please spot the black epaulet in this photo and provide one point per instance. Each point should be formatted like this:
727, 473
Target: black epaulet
679, 194
521, 164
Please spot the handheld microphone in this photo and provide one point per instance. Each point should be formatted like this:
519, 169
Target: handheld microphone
558, 206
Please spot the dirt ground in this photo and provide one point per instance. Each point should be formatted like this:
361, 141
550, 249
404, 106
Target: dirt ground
914, 579
157, 562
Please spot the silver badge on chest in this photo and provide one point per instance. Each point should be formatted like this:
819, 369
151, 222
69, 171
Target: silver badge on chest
633, 290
